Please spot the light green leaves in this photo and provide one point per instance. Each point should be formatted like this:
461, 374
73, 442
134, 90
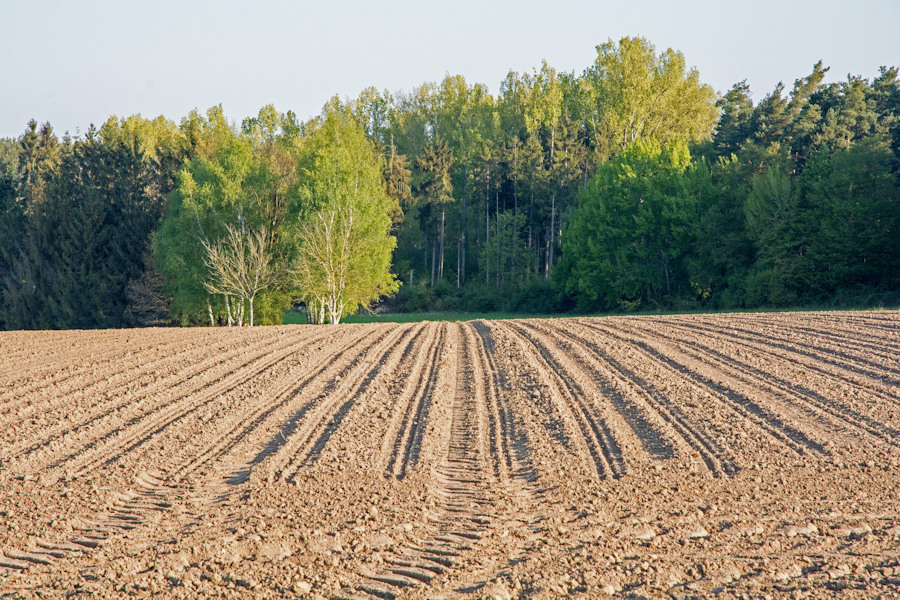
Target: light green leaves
631, 93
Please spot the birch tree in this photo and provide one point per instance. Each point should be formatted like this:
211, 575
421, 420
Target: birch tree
240, 265
343, 243
333, 269
630, 93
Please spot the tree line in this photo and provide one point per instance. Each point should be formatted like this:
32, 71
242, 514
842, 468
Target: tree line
148, 222
792, 201
628, 186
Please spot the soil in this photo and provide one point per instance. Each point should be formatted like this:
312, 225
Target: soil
705, 456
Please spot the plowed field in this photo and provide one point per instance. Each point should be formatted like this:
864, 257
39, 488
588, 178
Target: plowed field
701, 456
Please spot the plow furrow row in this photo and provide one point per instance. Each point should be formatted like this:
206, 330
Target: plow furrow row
833, 363
817, 404
644, 456
101, 418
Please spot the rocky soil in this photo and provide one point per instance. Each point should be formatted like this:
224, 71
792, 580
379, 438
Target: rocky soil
705, 456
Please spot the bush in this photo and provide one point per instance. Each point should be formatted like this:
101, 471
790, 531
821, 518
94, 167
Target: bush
538, 296
417, 298
479, 298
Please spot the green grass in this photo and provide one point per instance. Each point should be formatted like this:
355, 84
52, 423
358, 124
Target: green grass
299, 318
294, 317
436, 316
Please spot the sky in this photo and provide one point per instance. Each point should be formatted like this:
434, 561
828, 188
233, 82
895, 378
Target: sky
78, 63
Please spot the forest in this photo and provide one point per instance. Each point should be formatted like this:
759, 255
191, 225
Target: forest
631, 186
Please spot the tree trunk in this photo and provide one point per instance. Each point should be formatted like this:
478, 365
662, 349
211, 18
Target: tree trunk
547, 256
497, 275
461, 277
487, 219
458, 258
516, 177
441, 263
552, 143
499, 236
462, 264
552, 229
335, 310
531, 222
666, 272
212, 320
433, 260
251, 311
487, 207
497, 210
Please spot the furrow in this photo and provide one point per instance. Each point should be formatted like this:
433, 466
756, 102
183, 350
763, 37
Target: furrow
714, 457
52, 363
819, 404
386, 364
853, 325
888, 324
313, 387
245, 423
461, 476
461, 482
497, 453
140, 429
44, 398
66, 435
608, 387
736, 398
322, 415
515, 443
43, 348
597, 440
809, 359
786, 361
30, 395
832, 331
403, 438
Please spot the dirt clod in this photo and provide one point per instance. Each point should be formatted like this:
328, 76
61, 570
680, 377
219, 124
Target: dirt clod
702, 456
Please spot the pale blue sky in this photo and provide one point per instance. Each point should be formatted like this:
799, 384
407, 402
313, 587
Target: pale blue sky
77, 63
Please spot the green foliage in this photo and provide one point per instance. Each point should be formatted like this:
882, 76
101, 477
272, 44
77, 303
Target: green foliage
398, 179
342, 229
733, 128
512, 262
581, 179
628, 241
434, 165
722, 252
538, 296
242, 181
837, 227
631, 94
78, 221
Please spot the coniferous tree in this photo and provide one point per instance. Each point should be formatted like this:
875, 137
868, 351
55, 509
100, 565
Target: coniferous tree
437, 189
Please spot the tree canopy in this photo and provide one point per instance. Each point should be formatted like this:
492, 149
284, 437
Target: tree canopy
342, 231
628, 185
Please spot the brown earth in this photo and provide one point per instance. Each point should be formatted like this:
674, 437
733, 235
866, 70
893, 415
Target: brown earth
738, 456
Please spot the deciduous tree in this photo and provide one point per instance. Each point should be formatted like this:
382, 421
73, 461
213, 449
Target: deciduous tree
342, 231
